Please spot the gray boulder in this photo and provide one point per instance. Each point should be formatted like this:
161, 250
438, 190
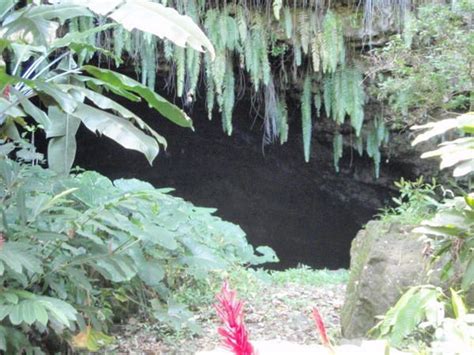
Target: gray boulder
385, 261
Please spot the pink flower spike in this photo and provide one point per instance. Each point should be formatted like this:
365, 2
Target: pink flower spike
321, 328
230, 311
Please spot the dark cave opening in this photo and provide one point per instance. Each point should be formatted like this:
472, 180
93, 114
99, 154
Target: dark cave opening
305, 211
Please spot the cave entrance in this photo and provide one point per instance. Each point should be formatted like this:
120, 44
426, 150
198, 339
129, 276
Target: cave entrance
304, 211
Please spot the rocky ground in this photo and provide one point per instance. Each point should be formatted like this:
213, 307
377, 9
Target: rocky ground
272, 311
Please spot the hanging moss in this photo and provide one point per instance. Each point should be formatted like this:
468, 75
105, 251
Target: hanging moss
274, 45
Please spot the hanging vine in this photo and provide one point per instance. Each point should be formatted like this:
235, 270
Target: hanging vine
276, 44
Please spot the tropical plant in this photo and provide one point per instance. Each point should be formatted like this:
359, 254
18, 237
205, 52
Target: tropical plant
452, 228
40, 64
416, 202
419, 320
451, 232
458, 153
78, 252
427, 69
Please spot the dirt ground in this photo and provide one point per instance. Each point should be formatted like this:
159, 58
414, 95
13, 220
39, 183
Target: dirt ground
273, 312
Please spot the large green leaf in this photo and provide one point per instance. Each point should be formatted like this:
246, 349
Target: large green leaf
151, 17
79, 37
59, 310
96, 85
105, 103
59, 11
36, 20
64, 100
6, 5
38, 115
116, 268
159, 236
10, 109
118, 129
62, 145
18, 257
434, 129
163, 106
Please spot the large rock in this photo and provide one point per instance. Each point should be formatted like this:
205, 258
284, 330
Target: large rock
385, 261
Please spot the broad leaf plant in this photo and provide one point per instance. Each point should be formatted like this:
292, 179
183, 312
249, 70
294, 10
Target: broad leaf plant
44, 74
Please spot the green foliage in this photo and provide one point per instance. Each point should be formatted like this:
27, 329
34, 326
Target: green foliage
376, 138
50, 68
451, 234
427, 68
77, 250
333, 43
306, 121
281, 44
415, 203
304, 275
274, 46
458, 153
420, 320
403, 319
277, 5
344, 95
453, 225
337, 146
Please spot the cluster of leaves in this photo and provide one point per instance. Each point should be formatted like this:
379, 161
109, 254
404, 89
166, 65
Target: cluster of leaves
451, 232
429, 321
77, 251
40, 64
277, 51
417, 202
453, 225
428, 68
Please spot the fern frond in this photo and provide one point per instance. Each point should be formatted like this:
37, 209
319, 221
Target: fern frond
222, 37
288, 22
375, 138
355, 106
317, 103
210, 90
242, 24
228, 99
337, 149
119, 41
168, 50
304, 31
316, 51
333, 51
218, 71
339, 97
359, 143
306, 121
328, 94
298, 55
180, 62
193, 65
277, 5
282, 120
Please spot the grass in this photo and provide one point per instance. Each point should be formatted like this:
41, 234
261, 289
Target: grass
304, 275
248, 282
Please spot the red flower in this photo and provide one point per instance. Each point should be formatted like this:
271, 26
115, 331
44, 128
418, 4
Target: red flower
321, 328
230, 311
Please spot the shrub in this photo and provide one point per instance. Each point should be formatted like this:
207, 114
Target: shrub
78, 252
